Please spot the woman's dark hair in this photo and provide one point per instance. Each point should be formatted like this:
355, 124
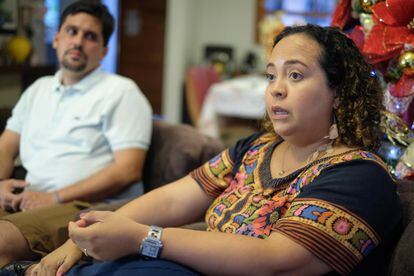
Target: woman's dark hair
357, 90
95, 9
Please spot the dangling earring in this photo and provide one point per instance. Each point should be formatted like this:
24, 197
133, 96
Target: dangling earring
328, 147
333, 130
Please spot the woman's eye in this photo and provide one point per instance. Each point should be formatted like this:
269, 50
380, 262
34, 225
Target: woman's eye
296, 76
270, 77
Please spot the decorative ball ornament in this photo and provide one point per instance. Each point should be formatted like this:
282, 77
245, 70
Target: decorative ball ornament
366, 5
19, 48
410, 24
406, 60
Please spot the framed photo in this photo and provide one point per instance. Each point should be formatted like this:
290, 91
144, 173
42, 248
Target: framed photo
9, 16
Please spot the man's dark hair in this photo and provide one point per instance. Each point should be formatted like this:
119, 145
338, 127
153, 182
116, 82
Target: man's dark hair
95, 9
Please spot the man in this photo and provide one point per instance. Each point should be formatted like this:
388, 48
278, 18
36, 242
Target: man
81, 134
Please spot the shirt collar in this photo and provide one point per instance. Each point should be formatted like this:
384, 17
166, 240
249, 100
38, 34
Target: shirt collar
81, 86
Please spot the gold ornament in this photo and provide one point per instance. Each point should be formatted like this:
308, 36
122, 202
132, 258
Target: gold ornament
396, 130
366, 4
410, 24
406, 60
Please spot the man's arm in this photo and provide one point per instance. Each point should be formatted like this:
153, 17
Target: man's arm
126, 169
9, 149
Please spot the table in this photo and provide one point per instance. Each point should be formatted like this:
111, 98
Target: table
240, 97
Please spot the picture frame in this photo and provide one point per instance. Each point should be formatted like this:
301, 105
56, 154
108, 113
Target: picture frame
9, 16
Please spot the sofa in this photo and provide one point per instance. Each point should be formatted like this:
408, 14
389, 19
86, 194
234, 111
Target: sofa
178, 149
183, 142
402, 258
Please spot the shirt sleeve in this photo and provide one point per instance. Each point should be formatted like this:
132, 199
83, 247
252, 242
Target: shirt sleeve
344, 214
216, 174
128, 120
20, 110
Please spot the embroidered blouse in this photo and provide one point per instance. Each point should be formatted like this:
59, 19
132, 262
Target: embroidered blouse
339, 208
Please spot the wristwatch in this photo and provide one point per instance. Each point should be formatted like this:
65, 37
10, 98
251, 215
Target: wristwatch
151, 245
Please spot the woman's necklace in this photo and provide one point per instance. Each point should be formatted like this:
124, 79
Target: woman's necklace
282, 165
320, 152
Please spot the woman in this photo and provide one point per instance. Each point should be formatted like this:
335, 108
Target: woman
305, 196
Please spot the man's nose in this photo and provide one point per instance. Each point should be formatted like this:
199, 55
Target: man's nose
78, 40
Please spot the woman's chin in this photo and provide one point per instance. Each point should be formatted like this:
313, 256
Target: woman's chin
282, 131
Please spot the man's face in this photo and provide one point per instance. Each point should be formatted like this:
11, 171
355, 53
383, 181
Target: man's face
79, 43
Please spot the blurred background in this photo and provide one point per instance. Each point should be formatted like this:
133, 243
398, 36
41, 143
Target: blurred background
156, 42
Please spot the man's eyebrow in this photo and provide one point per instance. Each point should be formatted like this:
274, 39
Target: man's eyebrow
71, 26
80, 28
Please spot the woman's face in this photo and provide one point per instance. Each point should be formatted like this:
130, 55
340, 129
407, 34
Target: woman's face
298, 100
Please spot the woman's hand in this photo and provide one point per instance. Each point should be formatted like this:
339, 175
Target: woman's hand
59, 261
107, 235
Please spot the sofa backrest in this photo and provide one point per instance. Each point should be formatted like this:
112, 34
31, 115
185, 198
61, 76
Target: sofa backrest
402, 260
176, 150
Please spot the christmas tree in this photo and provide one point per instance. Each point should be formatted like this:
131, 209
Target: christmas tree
384, 32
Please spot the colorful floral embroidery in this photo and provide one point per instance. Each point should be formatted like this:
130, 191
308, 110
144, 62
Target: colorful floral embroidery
243, 206
351, 231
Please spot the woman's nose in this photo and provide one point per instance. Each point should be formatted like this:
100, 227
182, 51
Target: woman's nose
278, 94
278, 91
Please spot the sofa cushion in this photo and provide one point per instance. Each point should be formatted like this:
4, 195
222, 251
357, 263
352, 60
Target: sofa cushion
176, 150
402, 261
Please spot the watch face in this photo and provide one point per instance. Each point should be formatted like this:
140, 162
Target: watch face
150, 248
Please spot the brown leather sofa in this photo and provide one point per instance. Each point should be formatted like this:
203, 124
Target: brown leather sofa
402, 257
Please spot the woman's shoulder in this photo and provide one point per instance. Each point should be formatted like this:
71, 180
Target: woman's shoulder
357, 155
255, 140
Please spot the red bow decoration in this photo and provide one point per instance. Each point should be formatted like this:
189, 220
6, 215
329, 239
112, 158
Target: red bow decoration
342, 14
390, 32
386, 40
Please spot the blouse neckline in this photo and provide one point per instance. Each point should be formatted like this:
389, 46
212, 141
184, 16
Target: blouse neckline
265, 174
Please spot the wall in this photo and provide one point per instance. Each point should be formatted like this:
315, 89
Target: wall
9, 89
191, 24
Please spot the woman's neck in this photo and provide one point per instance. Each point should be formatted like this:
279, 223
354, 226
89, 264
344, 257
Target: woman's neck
289, 156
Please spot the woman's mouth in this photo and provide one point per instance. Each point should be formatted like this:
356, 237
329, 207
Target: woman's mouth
279, 113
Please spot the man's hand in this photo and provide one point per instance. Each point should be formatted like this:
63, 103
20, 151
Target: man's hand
107, 235
9, 199
59, 261
33, 200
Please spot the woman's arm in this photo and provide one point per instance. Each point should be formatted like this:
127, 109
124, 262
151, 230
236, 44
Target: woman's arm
175, 204
178, 203
214, 253
207, 252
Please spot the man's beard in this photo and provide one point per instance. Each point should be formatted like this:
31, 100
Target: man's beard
75, 67
78, 67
